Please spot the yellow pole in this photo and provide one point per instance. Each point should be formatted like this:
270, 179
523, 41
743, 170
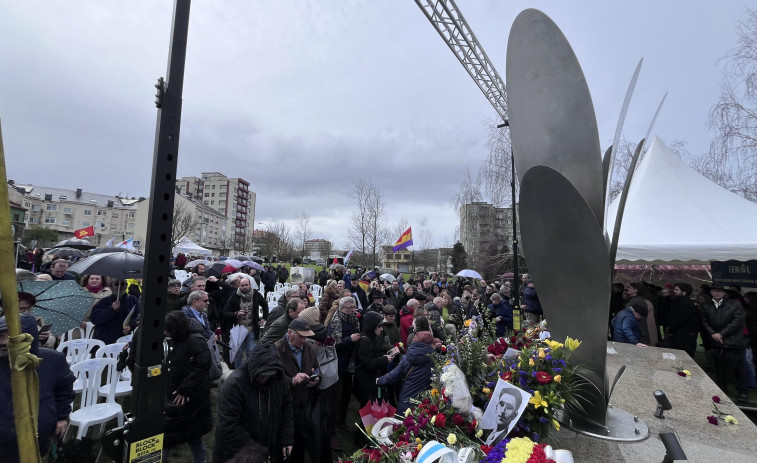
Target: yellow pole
23, 382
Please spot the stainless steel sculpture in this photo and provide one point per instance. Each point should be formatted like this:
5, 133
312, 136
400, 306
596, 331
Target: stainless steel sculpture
562, 205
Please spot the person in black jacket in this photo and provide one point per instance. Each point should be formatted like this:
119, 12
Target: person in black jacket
116, 315
243, 307
255, 407
723, 322
371, 359
683, 322
188, 415
56, 393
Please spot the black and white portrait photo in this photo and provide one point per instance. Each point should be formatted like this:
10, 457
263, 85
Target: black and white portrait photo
505, 408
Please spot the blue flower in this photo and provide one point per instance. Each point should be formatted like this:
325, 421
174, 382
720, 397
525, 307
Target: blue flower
536, 437
557, 370
542, 420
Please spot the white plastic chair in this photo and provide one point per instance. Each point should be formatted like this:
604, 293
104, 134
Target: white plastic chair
78, 333
78, 350
272, 297
316, 290
278, 287
316, 300
123, 386
125, 339
90, 412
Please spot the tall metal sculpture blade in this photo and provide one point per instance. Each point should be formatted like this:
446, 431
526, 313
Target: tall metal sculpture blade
622, 205
654, 119
618, 132
562, 206
555, 122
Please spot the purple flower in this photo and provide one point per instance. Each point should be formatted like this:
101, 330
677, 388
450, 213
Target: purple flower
490, 384
542, 420
712, 420
716, 399
680, 373
536, 437
556, 370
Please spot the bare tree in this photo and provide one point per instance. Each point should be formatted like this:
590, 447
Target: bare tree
496, 170
303, 229
423, 239
276, 240
732, 159
184, 222
367, 231
469, 192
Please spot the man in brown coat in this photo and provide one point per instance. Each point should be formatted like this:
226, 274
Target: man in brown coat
301, 370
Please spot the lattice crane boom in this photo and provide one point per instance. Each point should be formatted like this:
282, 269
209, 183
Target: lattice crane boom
454, 30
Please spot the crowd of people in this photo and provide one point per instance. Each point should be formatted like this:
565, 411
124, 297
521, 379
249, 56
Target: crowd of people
300, 364
674, 316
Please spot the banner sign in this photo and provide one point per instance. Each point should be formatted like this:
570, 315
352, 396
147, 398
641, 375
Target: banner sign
734, 272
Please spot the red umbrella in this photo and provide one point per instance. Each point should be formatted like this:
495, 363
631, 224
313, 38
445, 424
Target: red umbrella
229, 269
374, 410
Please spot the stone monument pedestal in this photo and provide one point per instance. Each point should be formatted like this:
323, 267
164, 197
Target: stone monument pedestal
691, 398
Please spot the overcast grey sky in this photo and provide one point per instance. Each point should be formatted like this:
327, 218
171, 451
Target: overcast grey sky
302, 97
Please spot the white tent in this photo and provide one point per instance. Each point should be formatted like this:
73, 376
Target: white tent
675, 215
187, 246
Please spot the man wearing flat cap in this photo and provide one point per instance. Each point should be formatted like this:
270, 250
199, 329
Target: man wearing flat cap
301, 370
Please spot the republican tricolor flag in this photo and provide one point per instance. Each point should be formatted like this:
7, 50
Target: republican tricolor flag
405, 241
84, 232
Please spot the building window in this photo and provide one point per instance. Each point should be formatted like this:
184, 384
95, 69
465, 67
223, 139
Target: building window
206, 202
50, 219
207, 195
66, 223
51, 207
113, 226
222, 187
115, 215
213, 187
100, 224
35, 207
86, 224
130, 226
222, 210
130, 215
87, 212
102, 213
222, 195
33, 220
66, 210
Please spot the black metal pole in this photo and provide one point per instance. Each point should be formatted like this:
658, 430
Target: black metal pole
144, 428
516, 287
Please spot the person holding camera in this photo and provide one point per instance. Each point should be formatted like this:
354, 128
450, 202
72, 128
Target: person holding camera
301, 371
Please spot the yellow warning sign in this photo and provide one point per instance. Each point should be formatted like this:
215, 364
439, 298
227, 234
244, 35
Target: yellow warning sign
148, 450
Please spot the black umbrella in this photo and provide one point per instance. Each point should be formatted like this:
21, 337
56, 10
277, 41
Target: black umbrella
75, 243
121, 265
107, 249
216, 269
241, 258
66, 252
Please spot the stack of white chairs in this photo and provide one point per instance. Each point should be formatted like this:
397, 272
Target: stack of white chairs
90, 412
316, 290
278, 287
77, 351
79, 333
272, 297
316, 300
123, 387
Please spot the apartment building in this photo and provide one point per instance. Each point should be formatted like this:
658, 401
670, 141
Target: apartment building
67, 210
204, 225
231, 197
483, 228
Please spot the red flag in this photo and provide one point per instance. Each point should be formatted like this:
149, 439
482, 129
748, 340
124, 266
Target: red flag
336, 261
84, 232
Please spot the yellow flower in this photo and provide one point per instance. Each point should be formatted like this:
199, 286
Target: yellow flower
417, 440
553, 344
486, 390
467, 323
542, 354
531, 362
419, 447
402, 344
557, 378
433, 420
479, 433
730, 419
407, 412
537, 400
451, 439
434, 392
686, 372
555, 424
572, 343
